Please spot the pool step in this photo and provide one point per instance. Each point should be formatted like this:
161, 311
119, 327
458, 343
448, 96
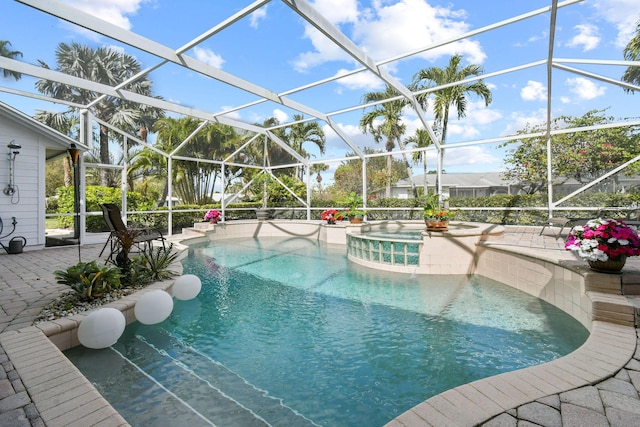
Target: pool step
204, 384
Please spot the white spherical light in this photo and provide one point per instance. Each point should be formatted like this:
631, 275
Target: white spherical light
187, 287
153, 307
101, 328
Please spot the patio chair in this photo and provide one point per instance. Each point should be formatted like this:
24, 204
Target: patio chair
143, 236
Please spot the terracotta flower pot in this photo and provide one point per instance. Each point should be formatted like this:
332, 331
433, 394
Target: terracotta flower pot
435, 225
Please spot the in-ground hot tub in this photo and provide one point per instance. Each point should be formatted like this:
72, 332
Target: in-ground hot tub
409, 248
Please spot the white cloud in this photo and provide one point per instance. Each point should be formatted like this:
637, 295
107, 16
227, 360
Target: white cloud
257, 16
533, 91
325, 51
465, 131
280, 115
469, 127
232, 114
112, 11
386, 30
542, 36
584, 88
362, 80
520, 120
478, 114
565, 99
409, 25
462, 156
623, 14
347, 129
338, 11
208, 57
588, 37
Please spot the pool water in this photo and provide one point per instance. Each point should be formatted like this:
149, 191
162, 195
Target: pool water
288, 333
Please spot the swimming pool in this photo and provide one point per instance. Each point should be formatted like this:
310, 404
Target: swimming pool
287, 332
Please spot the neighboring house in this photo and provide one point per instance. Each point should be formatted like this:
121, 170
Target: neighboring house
482, 184
26, 202
477, 184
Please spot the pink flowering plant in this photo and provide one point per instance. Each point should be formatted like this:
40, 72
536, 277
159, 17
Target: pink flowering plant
213, 215
331, 216
603, 239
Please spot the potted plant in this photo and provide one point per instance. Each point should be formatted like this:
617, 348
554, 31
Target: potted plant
261, 183
213, 216
353, 212
436, 217
604, 243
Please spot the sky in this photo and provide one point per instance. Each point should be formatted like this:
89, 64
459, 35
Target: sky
276, 49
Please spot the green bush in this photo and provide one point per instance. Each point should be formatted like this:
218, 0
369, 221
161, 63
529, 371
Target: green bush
89, 280
407, 208
94, 196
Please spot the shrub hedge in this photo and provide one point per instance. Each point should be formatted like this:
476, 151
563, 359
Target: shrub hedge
512, 208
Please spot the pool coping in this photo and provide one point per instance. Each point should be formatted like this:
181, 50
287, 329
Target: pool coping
65, 397
607, 350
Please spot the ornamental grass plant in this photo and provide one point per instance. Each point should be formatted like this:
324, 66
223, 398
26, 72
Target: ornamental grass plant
603, 239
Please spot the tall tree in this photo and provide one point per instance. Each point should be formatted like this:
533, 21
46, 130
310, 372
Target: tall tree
11, 54
348, 175
632, 53
301, 132
384, 121
421, 139
583, 156
318, 168
452, 97
110, 67
194, 181
295, 136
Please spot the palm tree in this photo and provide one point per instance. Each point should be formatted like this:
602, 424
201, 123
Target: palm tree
385, 121
66, 124
450, 97
194, 181
106, 66
299, 133
632, 53
421, 139
318, 168
12, 54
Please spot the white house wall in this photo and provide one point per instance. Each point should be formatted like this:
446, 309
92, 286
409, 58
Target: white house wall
27, 204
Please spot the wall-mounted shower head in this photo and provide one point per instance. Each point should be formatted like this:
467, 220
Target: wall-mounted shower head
11, 188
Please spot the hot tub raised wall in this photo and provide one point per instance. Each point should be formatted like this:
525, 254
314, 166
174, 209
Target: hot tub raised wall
315, 230
448, 252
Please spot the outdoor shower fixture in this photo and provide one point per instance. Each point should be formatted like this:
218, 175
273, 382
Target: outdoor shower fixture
10, 189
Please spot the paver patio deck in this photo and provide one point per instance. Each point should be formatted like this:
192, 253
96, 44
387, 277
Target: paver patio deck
598, 385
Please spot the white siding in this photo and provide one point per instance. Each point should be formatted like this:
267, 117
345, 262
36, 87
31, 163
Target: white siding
26, 204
